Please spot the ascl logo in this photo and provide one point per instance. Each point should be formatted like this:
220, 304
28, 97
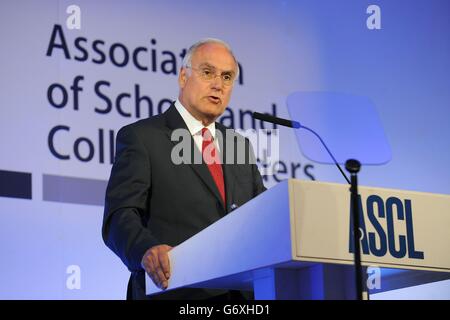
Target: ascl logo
382, 216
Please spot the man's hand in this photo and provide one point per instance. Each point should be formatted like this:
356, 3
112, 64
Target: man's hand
156, 263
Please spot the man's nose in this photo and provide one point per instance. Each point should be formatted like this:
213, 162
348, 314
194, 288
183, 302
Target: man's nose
217, 82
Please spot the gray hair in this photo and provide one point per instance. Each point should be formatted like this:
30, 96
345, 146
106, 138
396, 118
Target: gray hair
187, 60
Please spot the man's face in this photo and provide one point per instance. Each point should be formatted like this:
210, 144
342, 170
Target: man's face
206, 100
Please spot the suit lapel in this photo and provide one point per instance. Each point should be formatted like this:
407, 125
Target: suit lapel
225, 140
175, 121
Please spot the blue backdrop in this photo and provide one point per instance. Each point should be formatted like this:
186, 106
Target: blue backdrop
66, 91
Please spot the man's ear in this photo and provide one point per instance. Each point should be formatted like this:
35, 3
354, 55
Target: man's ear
182, 77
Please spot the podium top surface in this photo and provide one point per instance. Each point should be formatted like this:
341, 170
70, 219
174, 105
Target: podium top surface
296, 223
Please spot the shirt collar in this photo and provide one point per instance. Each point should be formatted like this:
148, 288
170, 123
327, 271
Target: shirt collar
195, 126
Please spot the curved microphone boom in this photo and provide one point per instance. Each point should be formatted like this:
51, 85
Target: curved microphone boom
296, 125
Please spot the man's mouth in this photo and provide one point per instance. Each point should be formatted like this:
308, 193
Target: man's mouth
214, 99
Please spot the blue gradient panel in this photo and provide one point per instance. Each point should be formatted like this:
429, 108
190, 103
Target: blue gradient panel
347, 124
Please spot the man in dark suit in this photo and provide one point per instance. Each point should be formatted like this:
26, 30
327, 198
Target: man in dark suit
154, 202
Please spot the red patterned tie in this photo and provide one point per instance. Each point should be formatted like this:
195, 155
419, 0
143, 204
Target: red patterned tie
212, 160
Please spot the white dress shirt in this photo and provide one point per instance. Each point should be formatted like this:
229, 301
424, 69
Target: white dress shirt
195, 126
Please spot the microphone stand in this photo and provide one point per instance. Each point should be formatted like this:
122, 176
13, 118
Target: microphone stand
353, 166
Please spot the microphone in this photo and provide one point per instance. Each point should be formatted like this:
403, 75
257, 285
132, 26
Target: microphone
296, 125
275, 120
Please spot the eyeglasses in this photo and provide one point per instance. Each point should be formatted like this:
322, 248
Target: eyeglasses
208, 73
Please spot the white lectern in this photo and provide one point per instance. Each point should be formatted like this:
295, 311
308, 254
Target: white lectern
293, 241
